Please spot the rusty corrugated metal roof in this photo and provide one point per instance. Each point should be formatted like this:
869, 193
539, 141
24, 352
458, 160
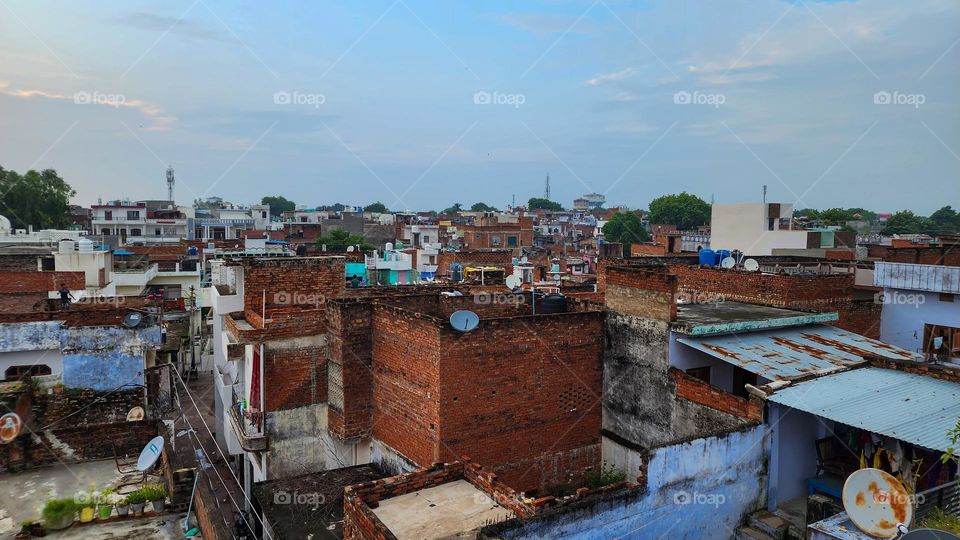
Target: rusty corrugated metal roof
913, 408
794, 352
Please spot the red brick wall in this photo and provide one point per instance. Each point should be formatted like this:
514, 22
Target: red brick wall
294, 377
779, 290
521, 397
501, 257
350, 346
280, 286
28, 282
406, 383
649, 292
637, 250
706, 394
89, 442
916, 255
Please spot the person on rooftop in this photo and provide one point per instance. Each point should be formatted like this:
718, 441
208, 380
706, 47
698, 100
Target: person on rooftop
65, 296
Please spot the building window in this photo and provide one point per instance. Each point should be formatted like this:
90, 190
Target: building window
133, 214
494, 240
108, 215
136, 232
941, 341
156, 232
512, 241
19, 372
702, 373
105, 232
946, 297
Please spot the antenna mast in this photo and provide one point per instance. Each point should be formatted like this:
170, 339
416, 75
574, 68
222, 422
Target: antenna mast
170, 181
546, 188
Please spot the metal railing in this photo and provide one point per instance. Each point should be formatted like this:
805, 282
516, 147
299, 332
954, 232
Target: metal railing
945, 497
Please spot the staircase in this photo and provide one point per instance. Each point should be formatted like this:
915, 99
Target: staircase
764, 525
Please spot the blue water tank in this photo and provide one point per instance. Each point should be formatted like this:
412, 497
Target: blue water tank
722, 254
708, 257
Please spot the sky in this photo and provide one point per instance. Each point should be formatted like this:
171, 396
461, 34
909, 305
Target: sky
420, 104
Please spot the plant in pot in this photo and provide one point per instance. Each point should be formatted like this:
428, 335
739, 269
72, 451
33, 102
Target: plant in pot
104, 501
59, 513
157, 495
136, 500
121, 502
86, 502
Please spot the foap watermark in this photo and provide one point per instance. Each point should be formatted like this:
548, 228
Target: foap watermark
697, 97
900, 499
709, 499
899, 98
296, 298
487, 499
699, 297
487, 298
496, 97
897, 298
284, 97
312, 499
98, 98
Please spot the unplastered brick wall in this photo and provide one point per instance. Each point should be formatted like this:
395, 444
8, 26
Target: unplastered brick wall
349, 368
773, 290
521, 397
498, 257
945, 373
918, 255
698, 391
648, 292
275, 285
98, 407
29, 282
294, 376
70, 444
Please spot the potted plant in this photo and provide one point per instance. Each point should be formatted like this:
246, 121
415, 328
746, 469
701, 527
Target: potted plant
157, 495
104, 502
86, 503
59, 513
122, 503
136, 500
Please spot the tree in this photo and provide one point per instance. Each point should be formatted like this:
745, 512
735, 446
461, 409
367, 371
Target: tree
40, 199
809, 213
626, 228
377, 208
836, 216
684, 210
944, 221
903, 222
538, 203
455, 209
279, 205
482, 207
340, 239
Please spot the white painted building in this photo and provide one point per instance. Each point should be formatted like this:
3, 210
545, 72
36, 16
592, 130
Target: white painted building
754, 228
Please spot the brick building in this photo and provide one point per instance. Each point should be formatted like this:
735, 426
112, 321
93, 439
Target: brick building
498, 231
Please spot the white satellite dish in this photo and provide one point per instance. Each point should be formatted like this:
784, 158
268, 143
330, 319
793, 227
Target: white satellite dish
150, 454
929, 534
464, 320
513, 282
10, 425
132, 319
751, 265
524, 259
876, 502
728, 262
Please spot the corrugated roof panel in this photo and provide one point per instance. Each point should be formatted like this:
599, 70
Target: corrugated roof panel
912, 408
793, 352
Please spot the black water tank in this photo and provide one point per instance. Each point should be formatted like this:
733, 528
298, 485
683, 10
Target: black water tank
553, 303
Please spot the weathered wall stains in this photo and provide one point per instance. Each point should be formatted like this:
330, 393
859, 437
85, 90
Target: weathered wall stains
105, 358
30, 336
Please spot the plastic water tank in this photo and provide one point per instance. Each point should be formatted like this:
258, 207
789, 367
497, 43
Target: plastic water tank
84, 245
456, 272
553, 303
67, 246
708, 257
722, 254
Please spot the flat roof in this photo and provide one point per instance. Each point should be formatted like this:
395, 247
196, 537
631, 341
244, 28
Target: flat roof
446, 511
789, 353
727, 317
912, 408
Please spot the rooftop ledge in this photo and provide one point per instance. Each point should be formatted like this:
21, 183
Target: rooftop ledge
728, 317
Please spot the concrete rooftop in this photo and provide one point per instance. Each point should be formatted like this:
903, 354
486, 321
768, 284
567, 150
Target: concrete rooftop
452, 510
727, 317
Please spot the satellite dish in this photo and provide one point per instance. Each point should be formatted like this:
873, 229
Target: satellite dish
929, 534
751, 265
132, 319
150, 454
524, 259
464, 320
513, 282
10, 426
876, 502
728, 262
136, 414
350, 249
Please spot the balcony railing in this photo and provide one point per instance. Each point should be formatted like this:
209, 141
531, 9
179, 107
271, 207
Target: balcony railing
919, 277
248, 424
945, 497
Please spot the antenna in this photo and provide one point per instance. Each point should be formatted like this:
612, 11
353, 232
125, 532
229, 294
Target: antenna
464, 320
150, 454
764, 193
876, 512
10, 425
546, 188
170, 181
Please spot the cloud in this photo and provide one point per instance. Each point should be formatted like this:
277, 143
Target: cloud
625, 73
158, 120
161, 23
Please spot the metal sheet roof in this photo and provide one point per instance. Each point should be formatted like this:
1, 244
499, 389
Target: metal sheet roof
912, 408
793, 352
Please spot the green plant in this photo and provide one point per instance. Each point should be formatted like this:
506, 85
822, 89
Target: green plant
105, 496
154, 492
57, 509
938, 519
137, 497
606, 475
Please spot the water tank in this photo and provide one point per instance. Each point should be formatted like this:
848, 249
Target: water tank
722, 254
456, 272
67, 246
553, 303
708, 257
84, 245
388, 246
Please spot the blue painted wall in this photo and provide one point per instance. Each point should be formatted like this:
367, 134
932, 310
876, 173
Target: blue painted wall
30, 336
105, 358
698, 489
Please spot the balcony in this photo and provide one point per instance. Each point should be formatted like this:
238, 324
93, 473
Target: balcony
917, 277
248, 426
133, 275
